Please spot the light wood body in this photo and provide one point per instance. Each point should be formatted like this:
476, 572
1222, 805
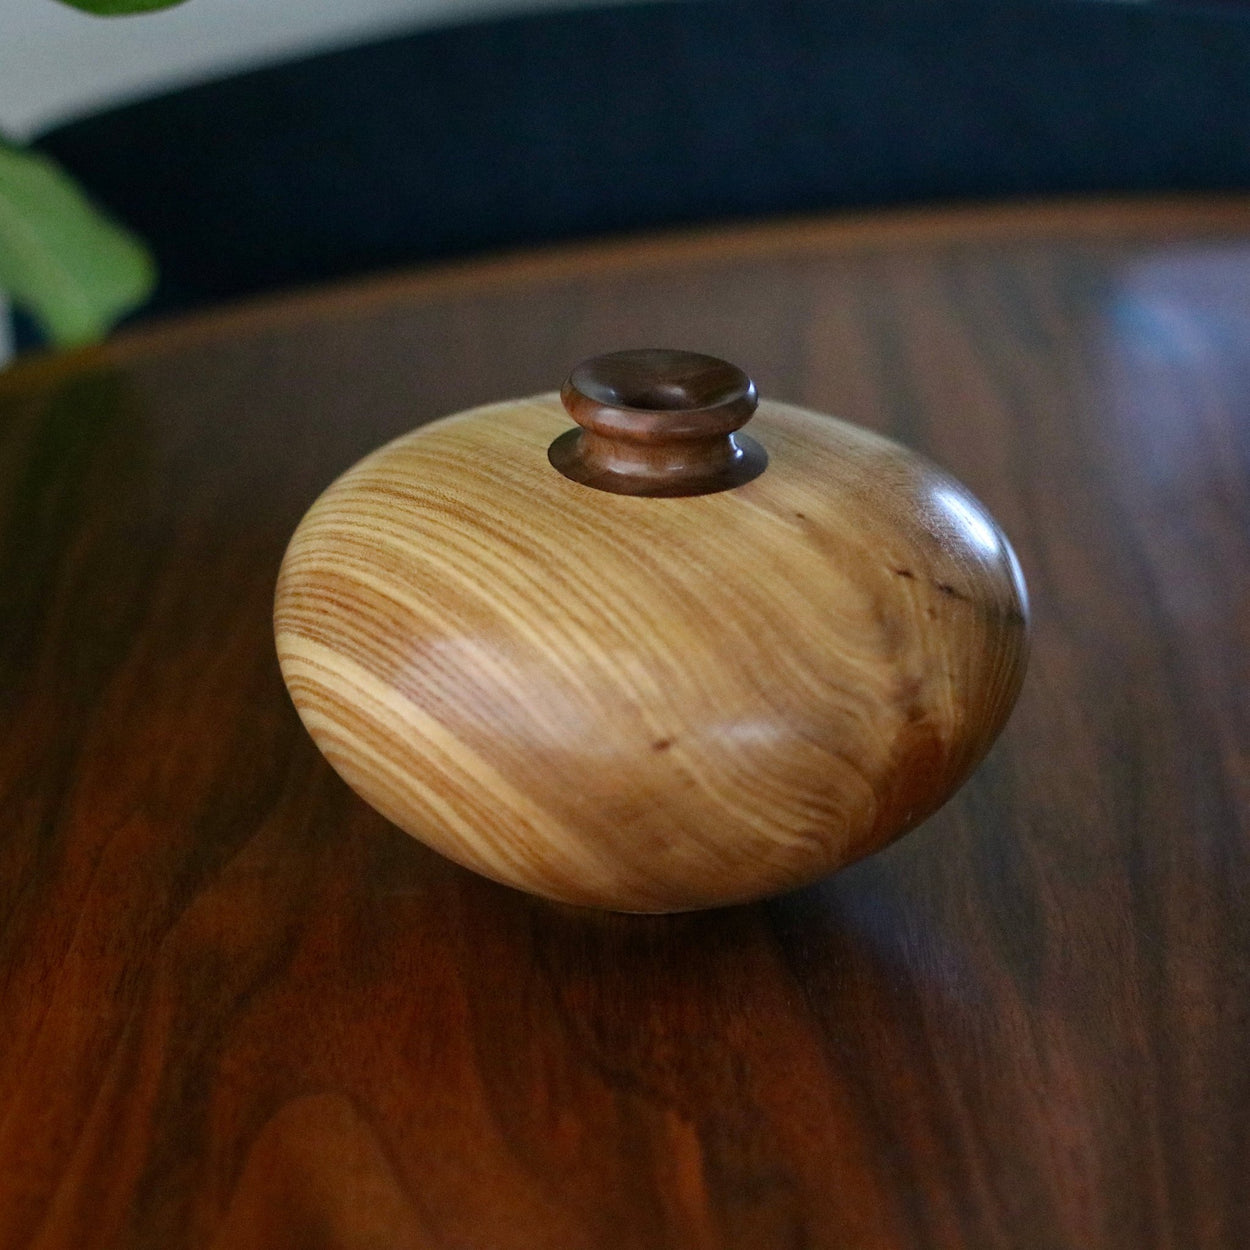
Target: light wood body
650, 704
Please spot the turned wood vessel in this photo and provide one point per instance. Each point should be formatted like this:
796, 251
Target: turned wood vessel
649, 662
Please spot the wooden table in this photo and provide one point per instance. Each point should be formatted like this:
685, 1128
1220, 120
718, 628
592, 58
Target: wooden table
239, 1009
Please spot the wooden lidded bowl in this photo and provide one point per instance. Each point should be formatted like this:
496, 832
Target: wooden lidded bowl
649, 663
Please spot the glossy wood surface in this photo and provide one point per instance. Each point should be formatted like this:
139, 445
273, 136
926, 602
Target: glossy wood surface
650, 704
240, 1009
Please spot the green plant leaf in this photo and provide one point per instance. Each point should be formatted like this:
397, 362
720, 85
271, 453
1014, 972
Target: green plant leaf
62, 259
116, 8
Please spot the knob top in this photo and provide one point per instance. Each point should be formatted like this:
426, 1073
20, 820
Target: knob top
658, 422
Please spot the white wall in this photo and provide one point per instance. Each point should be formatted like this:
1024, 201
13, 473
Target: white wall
57, 62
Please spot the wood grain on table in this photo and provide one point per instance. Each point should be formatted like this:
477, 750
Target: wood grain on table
239, 1009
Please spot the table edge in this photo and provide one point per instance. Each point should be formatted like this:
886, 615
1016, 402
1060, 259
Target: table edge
1159, 216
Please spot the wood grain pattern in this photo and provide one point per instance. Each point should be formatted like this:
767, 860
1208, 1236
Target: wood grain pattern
650, 704
238, 1008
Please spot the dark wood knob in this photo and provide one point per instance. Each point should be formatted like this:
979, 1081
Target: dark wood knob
658, 422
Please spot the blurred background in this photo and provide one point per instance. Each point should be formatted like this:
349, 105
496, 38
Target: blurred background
263, 145
57, 63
